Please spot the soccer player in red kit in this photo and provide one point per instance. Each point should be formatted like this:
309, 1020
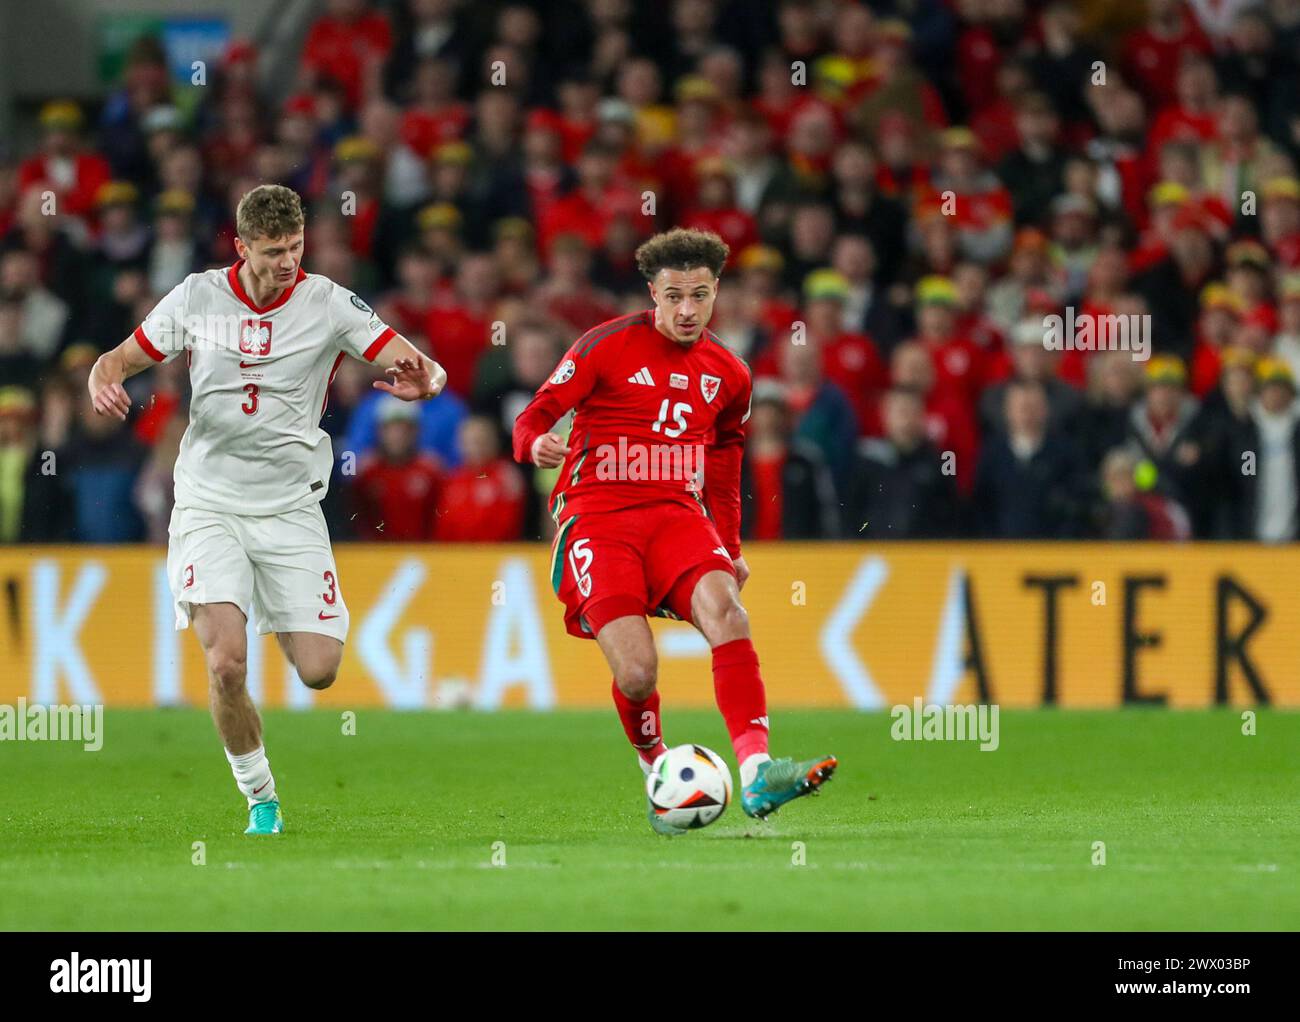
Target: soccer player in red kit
647, 505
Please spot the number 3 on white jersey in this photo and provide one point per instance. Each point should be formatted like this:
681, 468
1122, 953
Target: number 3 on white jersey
679, 417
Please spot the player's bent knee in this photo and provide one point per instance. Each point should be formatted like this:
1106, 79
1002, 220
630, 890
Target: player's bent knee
322, 679
734, 620
637, 680
228, 672
722, 618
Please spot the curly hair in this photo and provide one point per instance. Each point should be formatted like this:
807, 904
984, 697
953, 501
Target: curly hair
682, 249
269, 211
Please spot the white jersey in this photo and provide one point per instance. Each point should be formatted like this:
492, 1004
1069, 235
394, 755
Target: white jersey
259, 378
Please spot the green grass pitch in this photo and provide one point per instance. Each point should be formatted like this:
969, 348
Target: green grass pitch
394, 827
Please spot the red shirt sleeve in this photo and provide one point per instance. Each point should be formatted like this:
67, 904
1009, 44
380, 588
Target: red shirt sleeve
722, 468
572, 381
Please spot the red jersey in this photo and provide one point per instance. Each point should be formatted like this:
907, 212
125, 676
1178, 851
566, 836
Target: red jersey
338, 49
482, 504
89, 172
423, 129
397, 502
458, 337
646, 407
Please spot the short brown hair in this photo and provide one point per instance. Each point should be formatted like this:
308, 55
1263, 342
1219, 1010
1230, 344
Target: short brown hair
269, 211
682, 249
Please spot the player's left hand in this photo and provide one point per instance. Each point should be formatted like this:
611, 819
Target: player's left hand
742, 571
412, 381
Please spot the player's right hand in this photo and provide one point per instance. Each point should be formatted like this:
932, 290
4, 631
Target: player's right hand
549, 450
110, 399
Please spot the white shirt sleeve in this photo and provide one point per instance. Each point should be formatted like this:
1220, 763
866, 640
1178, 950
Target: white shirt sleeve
357, 328
162, 334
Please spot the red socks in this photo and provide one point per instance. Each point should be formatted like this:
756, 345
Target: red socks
641, 724
738, 687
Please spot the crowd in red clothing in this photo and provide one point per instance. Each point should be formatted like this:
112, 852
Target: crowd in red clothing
908, 189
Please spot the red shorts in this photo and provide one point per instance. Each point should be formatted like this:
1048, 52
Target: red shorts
642, 560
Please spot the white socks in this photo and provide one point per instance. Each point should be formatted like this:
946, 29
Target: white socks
253, 775
749, 768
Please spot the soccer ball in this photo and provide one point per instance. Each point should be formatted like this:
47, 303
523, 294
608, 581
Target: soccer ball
689, 786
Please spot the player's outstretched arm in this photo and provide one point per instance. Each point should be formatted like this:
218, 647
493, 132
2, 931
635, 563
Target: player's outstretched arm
411, 375
107, 395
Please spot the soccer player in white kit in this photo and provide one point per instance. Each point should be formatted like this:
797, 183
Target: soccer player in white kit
247, 537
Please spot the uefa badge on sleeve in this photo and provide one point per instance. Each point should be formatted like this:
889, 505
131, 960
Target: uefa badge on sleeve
564, 373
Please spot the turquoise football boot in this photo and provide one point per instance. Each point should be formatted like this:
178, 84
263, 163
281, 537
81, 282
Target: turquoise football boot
783, 780
265, 818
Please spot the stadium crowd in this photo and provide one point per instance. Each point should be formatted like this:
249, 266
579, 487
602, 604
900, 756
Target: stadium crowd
908, 188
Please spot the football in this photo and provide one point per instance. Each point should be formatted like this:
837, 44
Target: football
689, 786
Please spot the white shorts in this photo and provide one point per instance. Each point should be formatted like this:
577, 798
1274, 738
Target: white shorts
278, 569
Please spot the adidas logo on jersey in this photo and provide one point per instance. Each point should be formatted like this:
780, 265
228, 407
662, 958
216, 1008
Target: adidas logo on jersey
643, 376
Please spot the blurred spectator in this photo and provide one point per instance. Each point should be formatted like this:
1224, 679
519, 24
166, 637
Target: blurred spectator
1132, 513
18, 364
901, 487
1029, 270
1163, 427
101, 464
1152, 54
788, 489
1170, 288
1287, 344
1035, 171
981, 204
349, 44
949, 423
1027, 485
174, 254
862, 213
155, 491
962, 368
1228, 436
483, 501
1032, 359
65, 165
510, 374
1273, 496
50, 240
168, 393
970, 281
1114, 385
1063, 60
33, 506
459, 328
438, 422
45, 316
1220, 313
566, 294
397, 489
849, 359
821, 413
425, 32
866, 308
123, 236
